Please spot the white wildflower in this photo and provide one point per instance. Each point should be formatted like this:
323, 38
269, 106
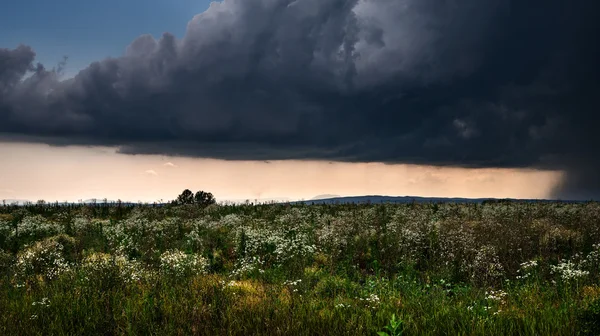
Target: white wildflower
568, 271
177, 263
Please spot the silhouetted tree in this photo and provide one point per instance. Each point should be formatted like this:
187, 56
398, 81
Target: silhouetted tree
186, 197
203, 198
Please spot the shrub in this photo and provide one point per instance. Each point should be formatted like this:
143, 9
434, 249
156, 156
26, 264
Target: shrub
486, 268
6, 260
47, 258
177, 264
589, 319
105, 271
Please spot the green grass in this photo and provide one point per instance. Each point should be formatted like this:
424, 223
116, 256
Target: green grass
433, 269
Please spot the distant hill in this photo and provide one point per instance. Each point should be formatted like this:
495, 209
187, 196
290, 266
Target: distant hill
325, 196
376, 199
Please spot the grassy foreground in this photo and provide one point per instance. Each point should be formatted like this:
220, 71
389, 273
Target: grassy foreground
440, 269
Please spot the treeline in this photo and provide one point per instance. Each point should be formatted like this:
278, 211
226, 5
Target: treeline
102, 207
201, 198
186, 197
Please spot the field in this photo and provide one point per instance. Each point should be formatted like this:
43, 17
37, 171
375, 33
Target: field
439, 269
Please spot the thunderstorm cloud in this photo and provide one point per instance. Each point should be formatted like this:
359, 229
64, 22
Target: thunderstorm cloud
476, 83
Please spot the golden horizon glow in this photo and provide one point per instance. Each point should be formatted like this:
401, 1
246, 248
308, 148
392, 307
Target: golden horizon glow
36, 171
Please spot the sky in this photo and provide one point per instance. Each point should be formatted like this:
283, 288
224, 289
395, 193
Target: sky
296, 98
72, 173
88, 31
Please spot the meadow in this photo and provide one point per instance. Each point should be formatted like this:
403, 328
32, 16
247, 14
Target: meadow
501, 268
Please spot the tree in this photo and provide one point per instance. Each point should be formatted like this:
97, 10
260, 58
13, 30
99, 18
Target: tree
204, 198
186, 197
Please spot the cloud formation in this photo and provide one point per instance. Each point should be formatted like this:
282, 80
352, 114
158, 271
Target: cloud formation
151, 172
477, 83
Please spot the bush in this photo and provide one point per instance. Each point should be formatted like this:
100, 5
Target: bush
177, 264
589, 319
47, 258
6, 260
106, 271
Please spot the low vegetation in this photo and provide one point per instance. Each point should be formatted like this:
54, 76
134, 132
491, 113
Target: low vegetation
208, 269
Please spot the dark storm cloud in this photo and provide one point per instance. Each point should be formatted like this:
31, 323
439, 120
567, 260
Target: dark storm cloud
478, 83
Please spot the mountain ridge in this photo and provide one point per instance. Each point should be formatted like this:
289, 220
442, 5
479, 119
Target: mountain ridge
378, 199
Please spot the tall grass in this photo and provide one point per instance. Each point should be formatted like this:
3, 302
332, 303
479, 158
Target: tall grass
471, 269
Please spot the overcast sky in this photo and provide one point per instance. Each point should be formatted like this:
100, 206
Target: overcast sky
386, 90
